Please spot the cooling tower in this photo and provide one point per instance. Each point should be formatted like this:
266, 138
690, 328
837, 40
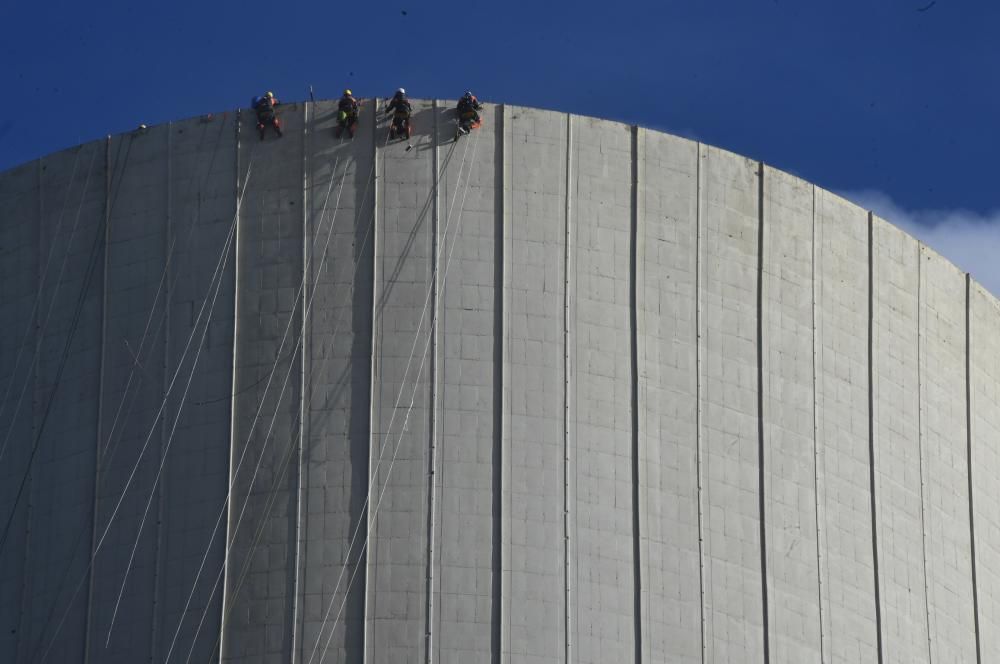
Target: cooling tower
563, 390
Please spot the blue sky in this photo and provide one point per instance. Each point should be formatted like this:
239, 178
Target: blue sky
872, 98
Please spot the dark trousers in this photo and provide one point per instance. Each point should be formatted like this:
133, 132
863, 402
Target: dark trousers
270, 120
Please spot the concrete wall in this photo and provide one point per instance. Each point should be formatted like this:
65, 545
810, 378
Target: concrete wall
564, 390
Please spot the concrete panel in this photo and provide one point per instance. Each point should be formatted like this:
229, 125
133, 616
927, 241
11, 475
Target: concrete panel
898, 455
131, 423
20, 272
402, 397
728, 226
984, 392
601, 393
467, 403
341, 191
266, 434
668, 395
534, 554
192, 511
59, 493
943, 434
847, 574
789, 434
605, 580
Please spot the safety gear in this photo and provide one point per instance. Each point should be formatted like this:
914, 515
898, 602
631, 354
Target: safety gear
468, 116
268, 120
400, 126
269, 95
265, 106
400, 91
399, 106
468, 103
467, 122
347, 114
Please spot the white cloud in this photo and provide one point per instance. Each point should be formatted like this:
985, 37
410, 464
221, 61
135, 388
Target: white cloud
968, 239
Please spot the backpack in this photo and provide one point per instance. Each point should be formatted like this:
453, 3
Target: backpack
401, 106
466, 104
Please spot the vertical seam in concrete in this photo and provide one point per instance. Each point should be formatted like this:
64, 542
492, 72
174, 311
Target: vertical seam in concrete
103, 351
25, 594
697, 392
500, 454
761, 498
232, 390
372, 380
871, 435
88, 620
823, 503
433, 406
968, 466
637, 531
568, 513
508, 254
160, 488
303, 368
816, 489
920, 448
33, 376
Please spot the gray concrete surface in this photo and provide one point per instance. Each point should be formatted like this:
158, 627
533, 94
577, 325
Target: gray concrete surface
843, 420
789, 435
562, 391
899, 464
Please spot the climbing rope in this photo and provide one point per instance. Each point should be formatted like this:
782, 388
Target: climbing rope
104, 459
374, 473
41, 287
217, 274
260, 406
99, 236
109, 449
40, 333
290, 448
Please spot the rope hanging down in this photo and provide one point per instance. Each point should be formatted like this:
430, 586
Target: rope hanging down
163, 459
99, 236
288, 451
374, 473
104, 458
41, 287
170, 438
290, 448
100, 542
246, 447
40, 333
107, 456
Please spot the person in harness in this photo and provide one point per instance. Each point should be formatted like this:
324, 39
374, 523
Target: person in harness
266, 117
468, 113
347, 114
400, 109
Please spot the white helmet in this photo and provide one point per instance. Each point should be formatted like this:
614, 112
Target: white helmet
400, 91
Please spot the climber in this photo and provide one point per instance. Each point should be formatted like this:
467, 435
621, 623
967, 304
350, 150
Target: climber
468, 113
400, 108
347, 114
264, 107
